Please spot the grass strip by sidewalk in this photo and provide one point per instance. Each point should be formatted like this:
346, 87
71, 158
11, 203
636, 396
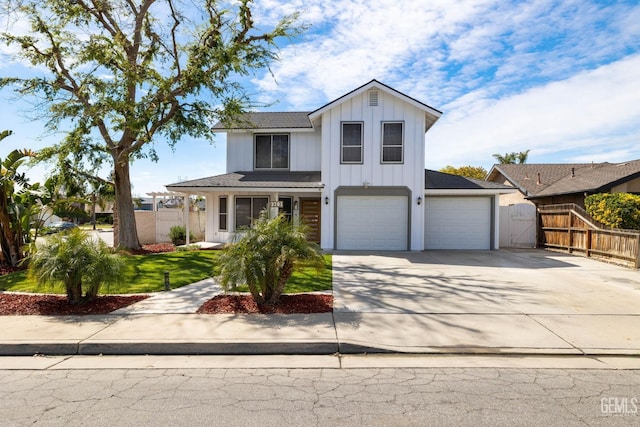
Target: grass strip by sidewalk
145, 273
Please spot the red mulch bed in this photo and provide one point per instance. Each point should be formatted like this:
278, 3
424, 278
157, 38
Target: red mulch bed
289, 304
54, 305
156, 248
7, 270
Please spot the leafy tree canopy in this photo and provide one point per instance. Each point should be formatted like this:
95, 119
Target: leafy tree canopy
477, 172
120, 73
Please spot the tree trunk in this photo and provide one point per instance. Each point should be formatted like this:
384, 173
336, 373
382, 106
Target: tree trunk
74, 293
9, 241
285, 273
127, 234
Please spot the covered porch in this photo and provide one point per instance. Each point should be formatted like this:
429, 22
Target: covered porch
234, 200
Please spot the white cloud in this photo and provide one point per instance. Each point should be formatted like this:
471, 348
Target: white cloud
597, 111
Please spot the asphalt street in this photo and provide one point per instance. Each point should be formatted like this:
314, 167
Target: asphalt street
319, 397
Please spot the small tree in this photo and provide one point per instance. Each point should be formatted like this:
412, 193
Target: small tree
79, 262
178, 235
264, 257
617, 210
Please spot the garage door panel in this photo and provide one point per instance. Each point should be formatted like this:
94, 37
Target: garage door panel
458, 223
372, 223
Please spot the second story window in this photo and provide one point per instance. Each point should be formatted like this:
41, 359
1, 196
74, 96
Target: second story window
392, 142
272, 151
351, 143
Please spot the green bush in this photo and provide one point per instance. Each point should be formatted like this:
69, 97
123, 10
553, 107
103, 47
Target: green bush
178, 235
79, 262
617, 210
265, 256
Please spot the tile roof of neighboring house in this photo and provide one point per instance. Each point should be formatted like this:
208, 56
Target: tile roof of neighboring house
557, 179
253, 180
268, 120
434, 180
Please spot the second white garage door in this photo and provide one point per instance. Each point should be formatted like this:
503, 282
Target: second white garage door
372, 223
458, 223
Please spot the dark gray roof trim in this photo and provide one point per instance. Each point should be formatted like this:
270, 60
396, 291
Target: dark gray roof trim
254, 180
434, 180
268, 120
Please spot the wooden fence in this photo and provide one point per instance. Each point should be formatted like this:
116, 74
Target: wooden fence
569, 227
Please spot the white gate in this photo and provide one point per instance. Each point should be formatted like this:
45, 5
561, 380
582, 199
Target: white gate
165, 219
518, 226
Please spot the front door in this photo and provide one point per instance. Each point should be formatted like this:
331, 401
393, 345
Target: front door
310, 215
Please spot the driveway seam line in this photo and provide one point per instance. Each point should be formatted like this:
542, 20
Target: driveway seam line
555, 333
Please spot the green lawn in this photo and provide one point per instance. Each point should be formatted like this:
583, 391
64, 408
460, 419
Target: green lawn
145, 273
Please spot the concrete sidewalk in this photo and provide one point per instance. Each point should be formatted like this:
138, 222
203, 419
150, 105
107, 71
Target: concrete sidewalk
328, 333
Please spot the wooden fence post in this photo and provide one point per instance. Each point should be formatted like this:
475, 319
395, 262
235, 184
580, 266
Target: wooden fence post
588, 248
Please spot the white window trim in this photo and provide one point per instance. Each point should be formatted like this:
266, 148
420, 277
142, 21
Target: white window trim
346, 162
382, 146
255, 162
235, 206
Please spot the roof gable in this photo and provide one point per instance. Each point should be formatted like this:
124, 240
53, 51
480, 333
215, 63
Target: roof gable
431, 114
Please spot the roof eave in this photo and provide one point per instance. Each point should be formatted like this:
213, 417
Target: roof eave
222, 189
468, 192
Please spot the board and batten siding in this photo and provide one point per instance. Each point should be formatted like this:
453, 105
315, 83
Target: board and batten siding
372, 172
304, 151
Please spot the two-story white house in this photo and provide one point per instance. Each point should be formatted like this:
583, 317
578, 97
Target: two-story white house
353, 171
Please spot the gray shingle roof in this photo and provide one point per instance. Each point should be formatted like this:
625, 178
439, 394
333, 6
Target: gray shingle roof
268, 120
592, 180
557, 179
254, 180
434, 180
525, 176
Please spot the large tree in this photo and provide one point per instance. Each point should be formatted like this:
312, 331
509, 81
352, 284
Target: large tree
121, 73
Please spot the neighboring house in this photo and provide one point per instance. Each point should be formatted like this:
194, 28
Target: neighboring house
353, 171
549, 184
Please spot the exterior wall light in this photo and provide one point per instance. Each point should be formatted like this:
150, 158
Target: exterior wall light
295, 205
419, 200
326, 200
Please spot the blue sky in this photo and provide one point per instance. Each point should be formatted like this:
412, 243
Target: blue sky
561, 78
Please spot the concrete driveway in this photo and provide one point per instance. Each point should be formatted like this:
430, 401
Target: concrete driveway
529, 300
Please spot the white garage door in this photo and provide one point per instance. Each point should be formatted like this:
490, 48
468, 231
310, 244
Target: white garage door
458, 223
372, 223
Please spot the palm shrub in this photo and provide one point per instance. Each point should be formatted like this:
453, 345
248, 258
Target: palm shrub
77, 261
264, 257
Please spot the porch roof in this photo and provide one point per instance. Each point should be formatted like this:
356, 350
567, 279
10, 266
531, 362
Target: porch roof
253, 180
